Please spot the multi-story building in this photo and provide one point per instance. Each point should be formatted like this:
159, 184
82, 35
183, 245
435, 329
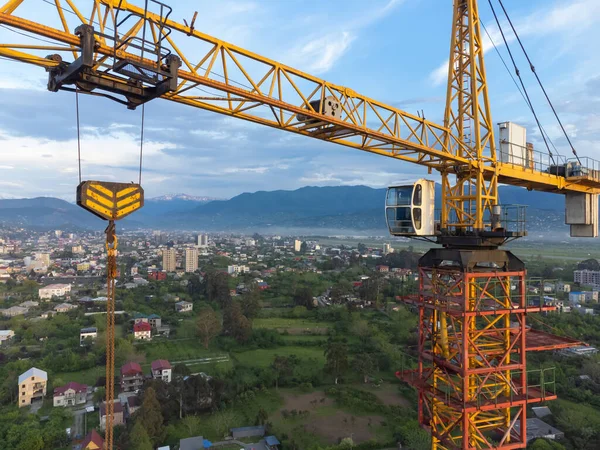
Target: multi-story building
132, 377
142, 331
202, 240
157, 275
182, 307
161, 370
54, 290
191, 259
587, 277
32, 386
154, 320
70, 394
387, 249
87, 333
44, 258
235, 269
297, 245
169, 263
118, 418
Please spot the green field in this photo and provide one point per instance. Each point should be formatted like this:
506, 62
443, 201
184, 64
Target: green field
88, 376
175, 350
281, 322
264, 357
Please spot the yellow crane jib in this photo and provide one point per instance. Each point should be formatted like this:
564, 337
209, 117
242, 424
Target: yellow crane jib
110, 201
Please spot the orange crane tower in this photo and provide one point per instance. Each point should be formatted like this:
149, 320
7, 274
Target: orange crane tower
472, 374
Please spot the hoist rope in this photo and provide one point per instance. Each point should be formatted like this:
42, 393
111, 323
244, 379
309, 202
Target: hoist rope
142, 142
518, 73
78, 133
516, 84
532, 67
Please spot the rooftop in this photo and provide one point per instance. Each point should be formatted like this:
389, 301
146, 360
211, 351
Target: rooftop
72, 385
93, 437
160, 364
33, 372
118, 407
142, 326
131, 368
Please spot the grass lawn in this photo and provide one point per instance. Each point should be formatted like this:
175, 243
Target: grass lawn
289, 338
281, 322
264, 357
88, 376
175, 351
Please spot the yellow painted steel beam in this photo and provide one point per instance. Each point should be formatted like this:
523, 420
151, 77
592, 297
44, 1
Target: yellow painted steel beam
277, 95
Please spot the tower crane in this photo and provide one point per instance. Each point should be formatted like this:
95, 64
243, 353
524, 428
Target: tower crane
471, 375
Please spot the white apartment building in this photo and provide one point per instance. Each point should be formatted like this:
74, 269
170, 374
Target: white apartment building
85, 333
54, 290
235, 269
297, 245
191, 259
203, 240
169, 259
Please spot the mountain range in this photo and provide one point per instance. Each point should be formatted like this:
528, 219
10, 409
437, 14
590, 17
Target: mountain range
334, 208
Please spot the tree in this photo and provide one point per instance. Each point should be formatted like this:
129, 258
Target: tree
236, 324
362, 248
369, 290
303, 297
99, 395
208, 325
150, 416
336, 355
262, 417
138, 438
364, 364
181, 370
282, 366
250, 302
217, 288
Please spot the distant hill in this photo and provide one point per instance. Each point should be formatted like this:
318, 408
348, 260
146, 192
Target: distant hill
340, 208
45, 213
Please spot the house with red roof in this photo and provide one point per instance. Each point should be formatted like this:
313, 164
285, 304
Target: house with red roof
118, 418
161, 370
70, 394
93, 441
132, 377
142, 331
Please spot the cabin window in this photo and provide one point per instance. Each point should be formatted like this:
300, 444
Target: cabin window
417, 217
399, 196
418, 195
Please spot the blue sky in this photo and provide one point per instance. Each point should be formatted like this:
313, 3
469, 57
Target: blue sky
394, 51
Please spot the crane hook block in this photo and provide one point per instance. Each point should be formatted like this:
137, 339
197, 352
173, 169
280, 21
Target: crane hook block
110, 201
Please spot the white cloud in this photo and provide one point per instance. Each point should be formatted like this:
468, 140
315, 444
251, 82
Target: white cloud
246, 170
560, 19
319, 54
